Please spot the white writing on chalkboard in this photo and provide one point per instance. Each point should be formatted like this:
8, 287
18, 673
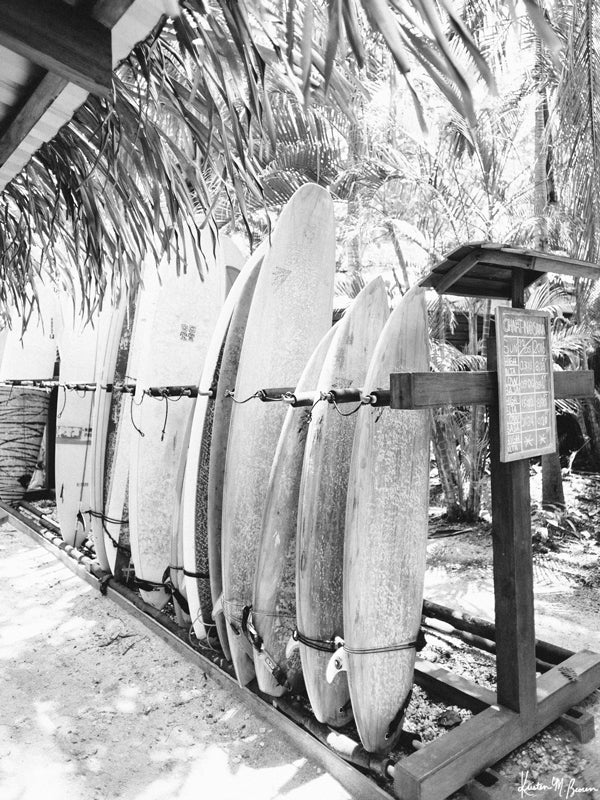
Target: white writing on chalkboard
525, 385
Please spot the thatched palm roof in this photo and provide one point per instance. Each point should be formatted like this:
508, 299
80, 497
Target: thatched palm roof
187, 126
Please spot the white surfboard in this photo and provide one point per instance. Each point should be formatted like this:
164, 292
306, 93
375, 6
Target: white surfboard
106, 364
322, 504
79, 345
31, 354
386, 536
177, 339
194, 507
121, 428
274, 600
291, 310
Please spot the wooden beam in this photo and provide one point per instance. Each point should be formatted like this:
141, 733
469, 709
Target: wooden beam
109, 12
457, 271
481, 627
36, 105
447, 763
513, 561
540, 262
431, 389
61, 39
452, 688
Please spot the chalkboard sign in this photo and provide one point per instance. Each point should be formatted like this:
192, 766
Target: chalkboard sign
525, 384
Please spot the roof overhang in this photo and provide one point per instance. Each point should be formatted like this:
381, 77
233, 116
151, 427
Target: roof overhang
53, 54
484, 269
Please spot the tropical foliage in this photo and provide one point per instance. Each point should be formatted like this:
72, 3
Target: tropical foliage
191, 127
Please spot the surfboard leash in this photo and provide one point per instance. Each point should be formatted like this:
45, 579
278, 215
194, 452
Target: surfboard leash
167, 585
322, 645
112, 521
257, 642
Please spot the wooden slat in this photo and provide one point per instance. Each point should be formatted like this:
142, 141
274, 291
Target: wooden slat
456, 272
452, 688
541, 262
430, 389
446, 764
109, 12
36, 105
61, 39
481, 627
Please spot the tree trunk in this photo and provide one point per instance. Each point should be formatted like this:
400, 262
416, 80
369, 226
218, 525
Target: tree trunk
552, 485
552, 488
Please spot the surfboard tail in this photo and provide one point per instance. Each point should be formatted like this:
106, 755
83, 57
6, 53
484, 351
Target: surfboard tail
380, 702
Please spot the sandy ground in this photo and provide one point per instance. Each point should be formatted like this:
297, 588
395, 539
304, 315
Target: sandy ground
93, 707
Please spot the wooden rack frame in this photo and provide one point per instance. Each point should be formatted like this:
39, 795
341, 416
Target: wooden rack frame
524, 704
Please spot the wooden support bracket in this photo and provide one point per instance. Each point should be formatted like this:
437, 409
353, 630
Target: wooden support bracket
450, 761
431, 389
580, 723
488, 785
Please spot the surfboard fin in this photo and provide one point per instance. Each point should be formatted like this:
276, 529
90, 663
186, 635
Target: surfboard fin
337, 662
291, 647
217, 608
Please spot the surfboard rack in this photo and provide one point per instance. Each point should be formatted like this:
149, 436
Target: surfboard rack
335, 396
524, 703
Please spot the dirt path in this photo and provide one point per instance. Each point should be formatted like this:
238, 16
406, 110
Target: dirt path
93, 707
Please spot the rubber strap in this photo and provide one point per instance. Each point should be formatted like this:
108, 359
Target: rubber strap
328, 646
200, 575
418, 644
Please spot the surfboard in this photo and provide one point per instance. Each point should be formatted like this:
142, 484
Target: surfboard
23, 417
322, 506
176, 339
223, 407
233, 260
194, 506
121, 427
27, 355
274, 599
386, 535
290, 312
30, 354
106, 365
79, 345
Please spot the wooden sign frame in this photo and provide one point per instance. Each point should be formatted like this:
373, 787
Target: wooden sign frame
525, 383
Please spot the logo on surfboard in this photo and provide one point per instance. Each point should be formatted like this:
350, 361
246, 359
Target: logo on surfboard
73, 434
280, 276
187, 332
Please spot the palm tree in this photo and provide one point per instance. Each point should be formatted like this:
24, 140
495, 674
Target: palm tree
190, 107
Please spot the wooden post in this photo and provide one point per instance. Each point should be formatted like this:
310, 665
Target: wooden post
513, 564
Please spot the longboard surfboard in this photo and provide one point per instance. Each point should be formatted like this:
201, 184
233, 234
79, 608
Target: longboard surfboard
322, 507
386, 536
80, 343
290, 312
274, 599
121, 427
106, 366
209, 406
177, 338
